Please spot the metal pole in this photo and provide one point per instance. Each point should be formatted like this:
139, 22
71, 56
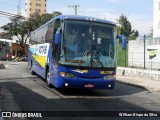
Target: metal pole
144, 52
75, 8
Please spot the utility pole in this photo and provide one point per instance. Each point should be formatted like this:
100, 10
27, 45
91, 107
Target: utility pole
75, 7
19, 8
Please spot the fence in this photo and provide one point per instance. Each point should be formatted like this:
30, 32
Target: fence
144, 53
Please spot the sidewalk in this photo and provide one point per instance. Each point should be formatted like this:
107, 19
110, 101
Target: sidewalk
147, 83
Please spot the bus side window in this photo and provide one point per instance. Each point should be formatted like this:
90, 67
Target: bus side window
56, 47
49, 33
56, 26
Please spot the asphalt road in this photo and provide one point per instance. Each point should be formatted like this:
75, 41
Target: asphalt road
21, 91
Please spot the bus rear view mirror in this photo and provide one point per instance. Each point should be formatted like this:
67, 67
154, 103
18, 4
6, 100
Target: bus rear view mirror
124, 41
58, 37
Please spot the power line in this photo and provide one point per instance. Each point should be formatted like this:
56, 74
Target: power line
10, 14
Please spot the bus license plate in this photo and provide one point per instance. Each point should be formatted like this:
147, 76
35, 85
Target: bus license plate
89, 86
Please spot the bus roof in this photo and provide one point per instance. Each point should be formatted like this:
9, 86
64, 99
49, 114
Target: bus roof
78, 17
86, 18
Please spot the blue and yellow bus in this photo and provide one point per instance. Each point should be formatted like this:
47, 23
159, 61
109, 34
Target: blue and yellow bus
75, 52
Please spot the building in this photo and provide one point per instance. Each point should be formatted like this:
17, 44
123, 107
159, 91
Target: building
11, 48
4, 35
35, 6
156, 19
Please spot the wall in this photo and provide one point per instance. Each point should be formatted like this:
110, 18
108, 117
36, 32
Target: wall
136, 53
144, 74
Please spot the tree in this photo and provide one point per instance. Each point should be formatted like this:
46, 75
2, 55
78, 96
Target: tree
37, 20
125, 28
22, 28
134, 35
18, 27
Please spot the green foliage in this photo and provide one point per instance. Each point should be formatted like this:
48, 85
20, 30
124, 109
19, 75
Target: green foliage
22, 28
121, 56
125, 28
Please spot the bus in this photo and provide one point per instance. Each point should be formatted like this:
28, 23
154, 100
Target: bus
75, 52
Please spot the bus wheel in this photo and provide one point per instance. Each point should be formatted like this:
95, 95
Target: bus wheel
48, 79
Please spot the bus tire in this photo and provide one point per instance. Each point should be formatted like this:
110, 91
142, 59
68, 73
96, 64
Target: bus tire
48, 79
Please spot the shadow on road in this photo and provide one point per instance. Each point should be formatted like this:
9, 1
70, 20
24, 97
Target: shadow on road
119, 90
28, 100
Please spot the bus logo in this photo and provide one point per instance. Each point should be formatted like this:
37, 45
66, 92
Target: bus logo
43, 49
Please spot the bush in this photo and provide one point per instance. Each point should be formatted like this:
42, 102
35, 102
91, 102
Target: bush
121, 56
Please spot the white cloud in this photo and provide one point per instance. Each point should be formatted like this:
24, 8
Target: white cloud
141, 24
138, 22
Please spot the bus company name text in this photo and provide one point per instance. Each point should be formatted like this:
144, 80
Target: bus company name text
43, 49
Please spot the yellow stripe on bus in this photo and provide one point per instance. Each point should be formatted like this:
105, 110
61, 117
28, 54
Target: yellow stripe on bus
40, 59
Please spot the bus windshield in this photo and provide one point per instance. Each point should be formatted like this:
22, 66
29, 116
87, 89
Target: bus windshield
88, 44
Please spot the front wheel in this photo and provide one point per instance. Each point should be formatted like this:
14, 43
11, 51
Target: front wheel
48, 79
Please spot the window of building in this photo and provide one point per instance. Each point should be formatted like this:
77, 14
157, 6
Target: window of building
39, 4
38, 10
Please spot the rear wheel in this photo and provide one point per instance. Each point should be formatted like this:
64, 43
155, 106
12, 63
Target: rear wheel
48, 79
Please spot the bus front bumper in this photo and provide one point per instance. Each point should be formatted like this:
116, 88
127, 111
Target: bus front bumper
83, 83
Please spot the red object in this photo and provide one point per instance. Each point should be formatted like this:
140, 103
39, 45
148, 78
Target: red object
89, 86
7, 56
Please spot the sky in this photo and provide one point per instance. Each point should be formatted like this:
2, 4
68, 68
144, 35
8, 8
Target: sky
138, 12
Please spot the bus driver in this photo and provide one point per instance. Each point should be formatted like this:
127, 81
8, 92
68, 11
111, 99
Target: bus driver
72, 36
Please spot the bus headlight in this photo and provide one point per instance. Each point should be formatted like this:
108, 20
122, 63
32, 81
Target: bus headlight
67, 75
110, 77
